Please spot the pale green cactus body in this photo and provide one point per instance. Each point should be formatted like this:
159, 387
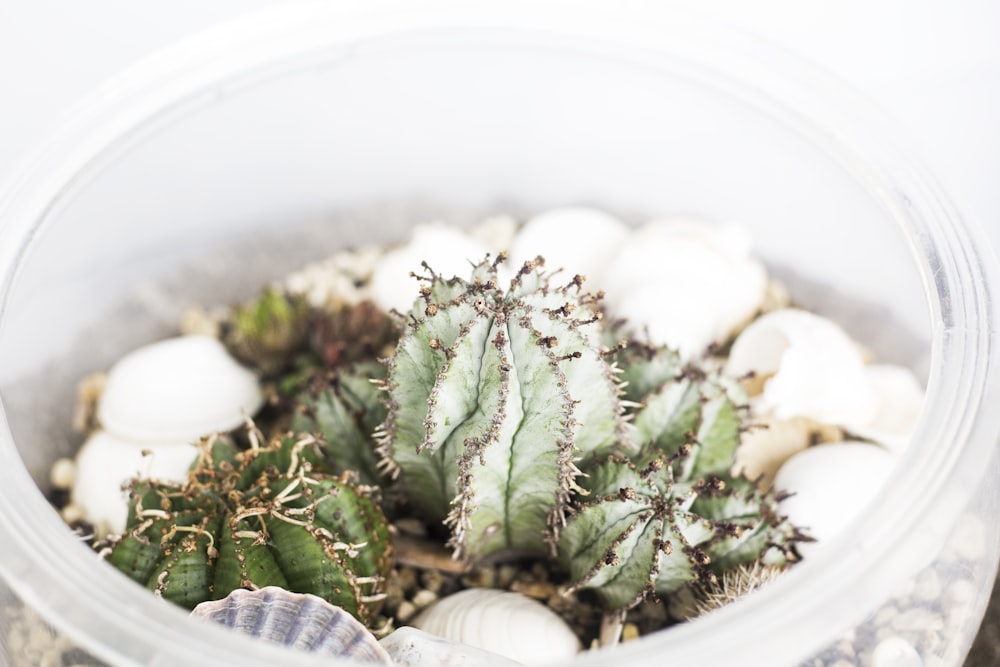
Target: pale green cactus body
493, 397
645, 532
673, 514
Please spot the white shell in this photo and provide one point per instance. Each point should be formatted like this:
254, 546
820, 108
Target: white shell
449, 251
296, 620
577, 239
686, 284
177, 389
502, 622
816, 369
106, 462
899, 400
831, 485
410, 647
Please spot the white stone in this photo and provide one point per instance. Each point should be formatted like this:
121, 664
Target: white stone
509, 624
896, 652
178, 389
577, 239
899, 399
105, 463
815, 369
410, 647
447, 250
685, 284
831, 485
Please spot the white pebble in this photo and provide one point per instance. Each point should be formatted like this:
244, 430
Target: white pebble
178, 389
831, 485
509, 624
896, 652
899, 399
106, 462
685, 284
63, 473
410, 647
577, 239
815, 369
447, 250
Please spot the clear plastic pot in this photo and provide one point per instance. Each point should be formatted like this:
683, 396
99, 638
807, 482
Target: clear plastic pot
388, 112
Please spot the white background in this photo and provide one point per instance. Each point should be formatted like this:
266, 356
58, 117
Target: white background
934, 65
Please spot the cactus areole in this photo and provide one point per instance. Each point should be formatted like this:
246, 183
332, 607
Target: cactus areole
495, 395
262, 517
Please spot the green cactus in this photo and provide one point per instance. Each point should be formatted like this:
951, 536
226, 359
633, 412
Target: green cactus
267, 332
672, 514
345, 408
261, 517
494, 396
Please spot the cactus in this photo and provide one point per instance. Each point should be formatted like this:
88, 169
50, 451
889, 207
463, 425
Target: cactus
261, 517
672, 514
269, 331
494, 395
345, 408
279, 333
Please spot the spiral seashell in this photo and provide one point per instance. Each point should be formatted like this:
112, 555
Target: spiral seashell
502, 622
296, 620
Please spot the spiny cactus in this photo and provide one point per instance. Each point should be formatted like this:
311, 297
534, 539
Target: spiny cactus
672, 514
345, 408
261, 517
493, 397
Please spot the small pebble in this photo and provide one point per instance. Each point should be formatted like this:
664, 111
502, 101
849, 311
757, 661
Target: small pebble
630, 631
406, 611
424, 598
63, 473
896, 652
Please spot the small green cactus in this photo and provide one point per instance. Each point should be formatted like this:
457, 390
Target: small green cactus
494, 397
267, 332
261, 517
672, 514
345, 408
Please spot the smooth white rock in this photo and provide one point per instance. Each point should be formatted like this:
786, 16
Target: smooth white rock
896, 652
899, 399
831, 485
447, 250
178, 389
816, 369
106, 462
410, 647
684, 283
577, 239
502, 622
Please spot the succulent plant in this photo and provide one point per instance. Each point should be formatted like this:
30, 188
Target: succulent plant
672, 514
267, 332
494, 397
349, 333
279, 333
345, 408
261, 517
